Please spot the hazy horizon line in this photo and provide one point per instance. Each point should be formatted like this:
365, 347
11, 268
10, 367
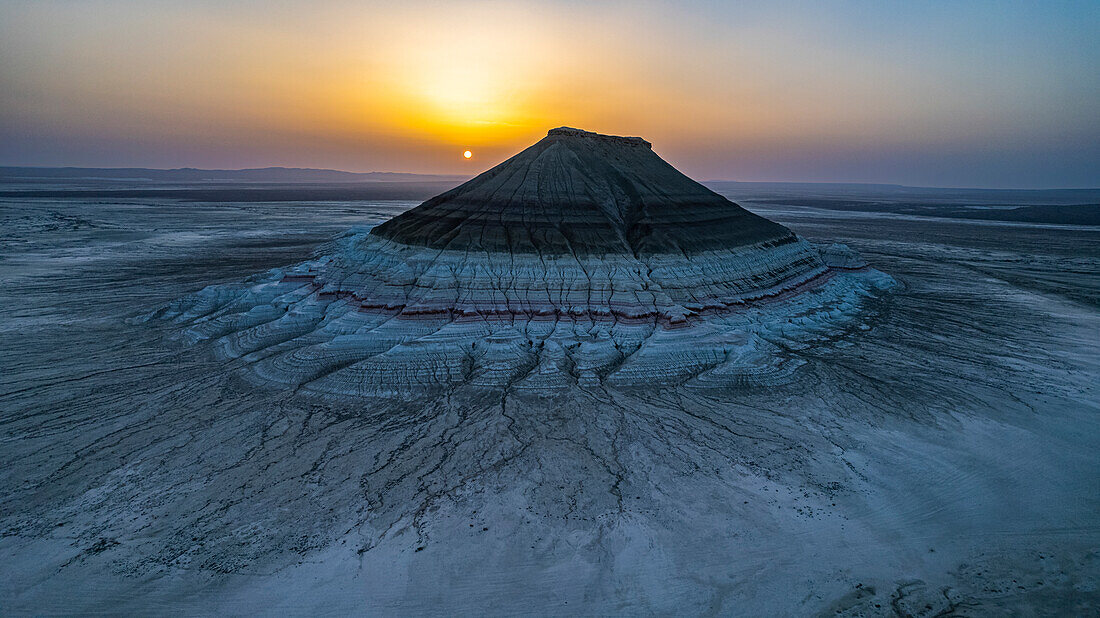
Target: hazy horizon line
460, 176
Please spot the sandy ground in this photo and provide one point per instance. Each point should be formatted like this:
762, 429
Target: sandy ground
943, 462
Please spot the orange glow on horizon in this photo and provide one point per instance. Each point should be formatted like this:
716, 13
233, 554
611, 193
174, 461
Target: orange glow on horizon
724, 91
386, 89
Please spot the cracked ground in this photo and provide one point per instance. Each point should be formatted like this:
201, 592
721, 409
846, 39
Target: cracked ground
942, 462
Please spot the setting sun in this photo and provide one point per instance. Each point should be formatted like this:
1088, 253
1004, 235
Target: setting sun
467, 154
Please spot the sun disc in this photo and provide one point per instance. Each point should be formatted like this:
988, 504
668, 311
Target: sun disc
467, 154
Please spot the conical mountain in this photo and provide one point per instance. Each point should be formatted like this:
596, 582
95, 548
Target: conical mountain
585, 259
582, 193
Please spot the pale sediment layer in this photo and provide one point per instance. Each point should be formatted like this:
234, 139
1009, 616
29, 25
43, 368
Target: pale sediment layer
374, 317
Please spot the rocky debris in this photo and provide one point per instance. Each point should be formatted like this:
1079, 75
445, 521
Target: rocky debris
839, 255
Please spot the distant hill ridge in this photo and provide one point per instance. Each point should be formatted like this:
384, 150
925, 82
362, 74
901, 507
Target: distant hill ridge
190, 174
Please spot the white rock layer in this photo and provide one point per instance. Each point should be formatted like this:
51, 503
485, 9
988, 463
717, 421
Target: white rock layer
377, 318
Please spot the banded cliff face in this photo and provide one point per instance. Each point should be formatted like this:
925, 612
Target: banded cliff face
579, 224
576, 193
584, 259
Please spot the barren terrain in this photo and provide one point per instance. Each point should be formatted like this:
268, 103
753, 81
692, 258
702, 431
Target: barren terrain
941, 460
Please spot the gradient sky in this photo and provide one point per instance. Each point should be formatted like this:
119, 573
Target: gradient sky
993, 94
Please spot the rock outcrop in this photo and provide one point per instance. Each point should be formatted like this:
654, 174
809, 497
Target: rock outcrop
585, 259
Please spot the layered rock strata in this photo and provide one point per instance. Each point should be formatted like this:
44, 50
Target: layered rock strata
584, 259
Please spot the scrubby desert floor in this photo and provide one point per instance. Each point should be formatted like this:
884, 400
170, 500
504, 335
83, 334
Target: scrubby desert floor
942, 461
